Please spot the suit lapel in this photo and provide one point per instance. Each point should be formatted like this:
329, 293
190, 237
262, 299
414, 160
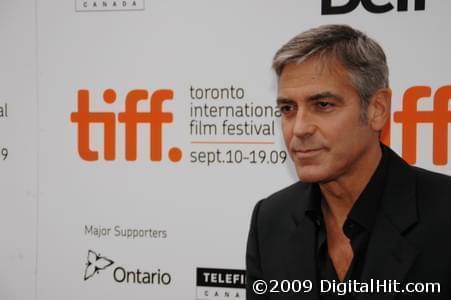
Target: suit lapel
300, 257
390, 255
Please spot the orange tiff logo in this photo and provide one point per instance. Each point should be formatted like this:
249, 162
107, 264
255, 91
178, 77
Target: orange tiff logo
410, 116
130, 117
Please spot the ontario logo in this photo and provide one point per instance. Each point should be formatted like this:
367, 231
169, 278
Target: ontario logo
96, 263
85, 118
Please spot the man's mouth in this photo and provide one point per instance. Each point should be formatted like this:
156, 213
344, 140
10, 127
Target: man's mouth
306, 153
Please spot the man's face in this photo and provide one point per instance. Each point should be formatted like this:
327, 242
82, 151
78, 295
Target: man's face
321, 121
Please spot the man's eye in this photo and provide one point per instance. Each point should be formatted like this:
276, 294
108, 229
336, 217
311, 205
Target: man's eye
324, 104
286, 108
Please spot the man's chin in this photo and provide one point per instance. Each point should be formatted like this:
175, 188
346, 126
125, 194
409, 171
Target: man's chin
310, 176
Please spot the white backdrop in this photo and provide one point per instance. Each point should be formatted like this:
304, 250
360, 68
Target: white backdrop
57, 207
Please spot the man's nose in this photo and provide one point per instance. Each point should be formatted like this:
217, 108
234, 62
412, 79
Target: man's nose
304, 124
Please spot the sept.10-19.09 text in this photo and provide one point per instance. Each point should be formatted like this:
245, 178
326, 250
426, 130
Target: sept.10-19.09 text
238, 156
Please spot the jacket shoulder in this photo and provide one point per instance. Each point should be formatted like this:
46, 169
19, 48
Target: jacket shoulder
433, 191
430, 178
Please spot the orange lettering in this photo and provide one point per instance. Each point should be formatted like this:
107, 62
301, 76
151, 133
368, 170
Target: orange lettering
409, 117
155, 118
130, 117
443, 117
84, 117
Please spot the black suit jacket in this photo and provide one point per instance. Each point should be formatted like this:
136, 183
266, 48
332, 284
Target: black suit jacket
410, 241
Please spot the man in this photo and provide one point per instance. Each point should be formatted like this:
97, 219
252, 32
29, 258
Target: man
359, 212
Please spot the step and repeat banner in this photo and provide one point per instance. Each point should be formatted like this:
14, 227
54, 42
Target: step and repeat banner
137, 135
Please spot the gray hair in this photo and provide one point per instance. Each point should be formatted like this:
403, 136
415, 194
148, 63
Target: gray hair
361, 56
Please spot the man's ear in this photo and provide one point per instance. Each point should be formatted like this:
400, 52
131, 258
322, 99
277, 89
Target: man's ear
379, 109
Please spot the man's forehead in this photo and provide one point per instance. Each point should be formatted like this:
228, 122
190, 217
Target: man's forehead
313, 68
314, 74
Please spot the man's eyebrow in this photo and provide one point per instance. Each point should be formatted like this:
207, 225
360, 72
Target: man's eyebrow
283, 100
325, 95
315, 97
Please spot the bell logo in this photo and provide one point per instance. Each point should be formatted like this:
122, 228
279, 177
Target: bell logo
409, 117
130, 117
328, 9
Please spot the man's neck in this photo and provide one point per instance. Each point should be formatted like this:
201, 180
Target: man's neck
341, 194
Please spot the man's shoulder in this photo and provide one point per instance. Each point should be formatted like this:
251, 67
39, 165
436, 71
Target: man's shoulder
433, 190
398, 164
431, 179
433, 211
401, 172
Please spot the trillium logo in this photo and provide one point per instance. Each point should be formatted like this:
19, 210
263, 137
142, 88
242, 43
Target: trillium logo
95, 263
